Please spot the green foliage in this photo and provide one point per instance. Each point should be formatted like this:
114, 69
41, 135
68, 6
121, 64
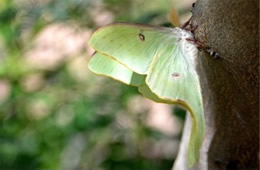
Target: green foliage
54, 114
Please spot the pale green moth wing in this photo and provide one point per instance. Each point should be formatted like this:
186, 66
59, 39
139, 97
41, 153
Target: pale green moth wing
107, 66
172, 77
132, 45
104, 65
146, 92
167, 58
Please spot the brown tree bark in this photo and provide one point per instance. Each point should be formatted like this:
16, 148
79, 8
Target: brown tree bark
230, 85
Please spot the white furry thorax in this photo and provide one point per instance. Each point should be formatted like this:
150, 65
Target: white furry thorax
190, 49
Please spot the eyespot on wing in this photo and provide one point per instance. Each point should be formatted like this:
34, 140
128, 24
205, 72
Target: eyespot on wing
141, 37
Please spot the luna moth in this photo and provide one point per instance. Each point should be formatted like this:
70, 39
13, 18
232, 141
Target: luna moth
160, 62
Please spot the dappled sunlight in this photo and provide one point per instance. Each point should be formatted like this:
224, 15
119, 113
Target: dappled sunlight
78, 68
33, 82
166, 148
102, 17
5, 90
125, 120
64, 116
72, 153
38, 109
139, 104
56, 44
161, 118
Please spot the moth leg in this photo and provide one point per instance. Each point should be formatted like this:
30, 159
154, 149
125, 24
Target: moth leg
200, 44
192, 28
184, 26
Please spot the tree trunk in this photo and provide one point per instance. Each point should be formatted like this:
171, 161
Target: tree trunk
230, 85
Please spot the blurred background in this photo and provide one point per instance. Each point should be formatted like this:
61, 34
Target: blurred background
55, 114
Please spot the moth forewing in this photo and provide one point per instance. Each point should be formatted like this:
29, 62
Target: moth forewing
131, 45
